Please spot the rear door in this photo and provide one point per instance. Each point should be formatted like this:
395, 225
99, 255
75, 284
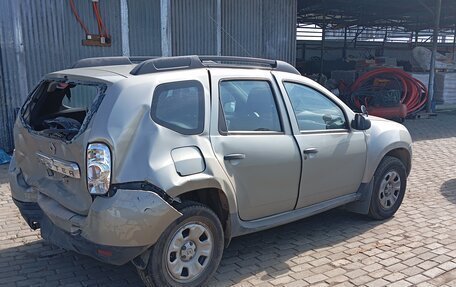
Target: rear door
52, 162
334, 156
252, 140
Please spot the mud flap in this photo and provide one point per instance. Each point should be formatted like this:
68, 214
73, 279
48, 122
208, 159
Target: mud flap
142, 260
362, 205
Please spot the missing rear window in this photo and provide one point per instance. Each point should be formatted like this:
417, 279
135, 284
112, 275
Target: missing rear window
61, 109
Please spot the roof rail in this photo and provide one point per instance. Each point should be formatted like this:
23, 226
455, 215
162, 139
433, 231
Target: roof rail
109, 61
194, 62
167, 63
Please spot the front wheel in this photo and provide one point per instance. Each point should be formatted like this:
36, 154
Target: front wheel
390, 181
189, 250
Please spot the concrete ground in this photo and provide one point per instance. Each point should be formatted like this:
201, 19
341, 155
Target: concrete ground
415, 248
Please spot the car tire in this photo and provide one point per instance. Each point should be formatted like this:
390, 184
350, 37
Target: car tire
182, 257
390, 182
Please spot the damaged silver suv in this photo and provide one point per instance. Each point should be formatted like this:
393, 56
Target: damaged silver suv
162, 163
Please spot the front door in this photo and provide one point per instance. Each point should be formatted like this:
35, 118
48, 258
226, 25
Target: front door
334, 156
253, 142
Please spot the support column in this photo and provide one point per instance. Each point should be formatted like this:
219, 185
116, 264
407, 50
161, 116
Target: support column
322, 48
344, 51
430, 103
165, 23
219, 27
454, 41
19, 50
125, 30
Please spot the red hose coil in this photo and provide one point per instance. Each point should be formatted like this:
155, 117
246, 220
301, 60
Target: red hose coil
414, 92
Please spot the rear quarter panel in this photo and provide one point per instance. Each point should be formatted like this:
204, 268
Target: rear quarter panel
142, 149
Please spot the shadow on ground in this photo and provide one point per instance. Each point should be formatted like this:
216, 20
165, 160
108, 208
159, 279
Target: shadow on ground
448, 190
263, 254
437, 127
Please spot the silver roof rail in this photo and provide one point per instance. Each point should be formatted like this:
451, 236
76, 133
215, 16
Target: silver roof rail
194, 62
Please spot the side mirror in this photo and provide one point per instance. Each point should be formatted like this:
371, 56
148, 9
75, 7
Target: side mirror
364, 110
360, 123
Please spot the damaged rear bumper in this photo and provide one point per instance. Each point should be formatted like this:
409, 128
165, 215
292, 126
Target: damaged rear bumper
50, 232
116, 229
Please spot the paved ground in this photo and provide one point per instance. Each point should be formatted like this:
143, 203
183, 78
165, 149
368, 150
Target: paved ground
415, 248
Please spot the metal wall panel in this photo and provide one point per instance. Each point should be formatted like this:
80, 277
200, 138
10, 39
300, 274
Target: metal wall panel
4, 129
14, 81
193, 27
38, 37
259, 28
279, 30
52, 37
144, 26
242, 26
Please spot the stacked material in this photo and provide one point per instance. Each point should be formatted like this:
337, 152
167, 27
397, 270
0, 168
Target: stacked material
386, 61
422, 57
445, 84
422, 77
414, 93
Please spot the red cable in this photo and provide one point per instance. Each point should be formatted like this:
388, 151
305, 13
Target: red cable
94, 7
75, 12
101, 27
414, 92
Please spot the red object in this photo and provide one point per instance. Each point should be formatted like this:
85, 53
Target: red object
105, 253
102, 30
75, 12
414, 93
389, 112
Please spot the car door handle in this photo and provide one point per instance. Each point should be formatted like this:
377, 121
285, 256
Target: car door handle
309, 152
234, 156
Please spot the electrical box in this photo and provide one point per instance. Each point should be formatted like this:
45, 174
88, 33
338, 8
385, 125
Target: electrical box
97, 40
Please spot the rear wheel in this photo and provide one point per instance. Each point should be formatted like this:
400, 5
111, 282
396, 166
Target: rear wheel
188, 252
390, 181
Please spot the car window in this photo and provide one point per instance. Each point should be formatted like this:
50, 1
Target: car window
179, 106
313, 110
248, 106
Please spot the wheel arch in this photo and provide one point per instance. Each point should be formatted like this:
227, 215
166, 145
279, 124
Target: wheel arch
403, 155
366, 189
217, 201
398, 149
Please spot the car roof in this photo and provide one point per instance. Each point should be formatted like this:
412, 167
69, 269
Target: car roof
112, 69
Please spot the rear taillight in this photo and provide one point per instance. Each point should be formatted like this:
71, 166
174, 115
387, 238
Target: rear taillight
98, 168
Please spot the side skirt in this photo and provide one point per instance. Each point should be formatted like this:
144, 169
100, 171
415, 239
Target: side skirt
240, 227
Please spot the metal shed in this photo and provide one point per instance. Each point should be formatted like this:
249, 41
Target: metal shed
37, 37
414, 19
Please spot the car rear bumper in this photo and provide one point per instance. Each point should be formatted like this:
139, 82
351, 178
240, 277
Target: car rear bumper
36, 218
115, 230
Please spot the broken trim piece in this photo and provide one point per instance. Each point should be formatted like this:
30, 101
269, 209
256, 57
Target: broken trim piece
141, 185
